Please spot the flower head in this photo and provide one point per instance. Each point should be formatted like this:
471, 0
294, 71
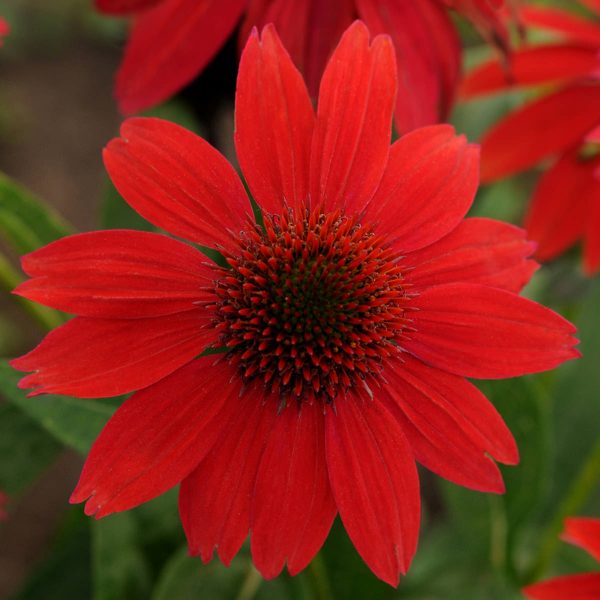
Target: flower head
188, 33
313, 302
580, 531
563, 124
347, 319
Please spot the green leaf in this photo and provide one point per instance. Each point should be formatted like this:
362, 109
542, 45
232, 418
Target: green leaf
25, 222
576, 406
117, 214
476, 116
350, 576
470, 514
11, 330
520, 403
47, 317
25, 225
120, 569
575, 463
490, 525
448, 567
74, 422
159, 526
186, 578
505, 200
130, 549
25, 447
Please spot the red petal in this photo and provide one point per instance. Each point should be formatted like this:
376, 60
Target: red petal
169, 46
177, 181
120, 274
157, 437
561, 205
570, 587
593, 136
427, 188
573, 27
591, 242
274, 125
487, 333
214, 500
119, 7
92, 358
539, 129
428, 55
309, 30
450, 425
293, 508
593, 5
585, 533
529, 66
477, 251
375, 484
354, 121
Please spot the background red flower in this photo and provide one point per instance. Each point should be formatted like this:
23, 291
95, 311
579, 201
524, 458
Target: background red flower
583, 532
4, 30
561, 125
173, 40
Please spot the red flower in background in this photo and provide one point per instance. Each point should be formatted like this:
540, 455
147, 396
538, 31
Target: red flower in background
4, 30
3, 503
173, 40
350, 319
583, 532
564, 124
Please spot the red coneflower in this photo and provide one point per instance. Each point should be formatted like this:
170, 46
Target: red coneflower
564, 124
349, 319
583, 532
4, 30
173, 40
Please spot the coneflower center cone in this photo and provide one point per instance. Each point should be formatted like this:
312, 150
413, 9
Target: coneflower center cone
312, 303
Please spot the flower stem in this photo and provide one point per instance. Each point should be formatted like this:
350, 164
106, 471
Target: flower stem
582, 487
250, 584
321, 585
9, 279
498, 532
